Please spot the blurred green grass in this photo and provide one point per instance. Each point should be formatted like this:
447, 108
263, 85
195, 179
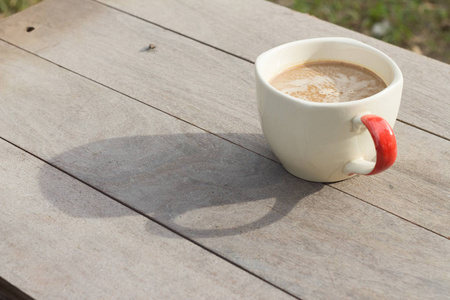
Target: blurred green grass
9, 7
420, 26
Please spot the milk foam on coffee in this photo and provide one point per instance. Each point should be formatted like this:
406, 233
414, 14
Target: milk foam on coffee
328, 81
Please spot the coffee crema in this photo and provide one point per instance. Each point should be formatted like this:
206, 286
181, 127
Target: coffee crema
328, 82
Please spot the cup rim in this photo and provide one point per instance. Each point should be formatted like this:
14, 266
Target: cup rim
398, 76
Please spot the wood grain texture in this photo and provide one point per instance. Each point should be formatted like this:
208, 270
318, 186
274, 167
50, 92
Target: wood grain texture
51, 250
309, 239
248, 28
194, 82
214, 91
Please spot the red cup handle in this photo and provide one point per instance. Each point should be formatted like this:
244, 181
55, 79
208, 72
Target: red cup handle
385, 145
384, 140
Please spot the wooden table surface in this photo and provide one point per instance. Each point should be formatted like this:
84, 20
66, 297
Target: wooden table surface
137, 173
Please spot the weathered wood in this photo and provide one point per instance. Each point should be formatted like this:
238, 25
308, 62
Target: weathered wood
76, 243
307, 238
248, 28
198, 84
214, 91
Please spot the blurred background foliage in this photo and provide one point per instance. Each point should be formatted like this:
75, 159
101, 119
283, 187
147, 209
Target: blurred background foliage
9, 7
420, 26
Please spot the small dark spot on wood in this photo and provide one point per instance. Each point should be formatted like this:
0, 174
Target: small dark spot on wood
391, 186
30, 28
148, 48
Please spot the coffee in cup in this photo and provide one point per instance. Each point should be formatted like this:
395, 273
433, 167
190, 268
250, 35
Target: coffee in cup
328, 82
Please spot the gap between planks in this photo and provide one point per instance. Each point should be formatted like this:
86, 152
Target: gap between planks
9, 291
209, 132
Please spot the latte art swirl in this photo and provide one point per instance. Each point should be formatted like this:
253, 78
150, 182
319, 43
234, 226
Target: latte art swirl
328, 82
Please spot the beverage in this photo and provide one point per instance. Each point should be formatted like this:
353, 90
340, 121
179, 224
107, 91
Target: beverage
328, 142
328, 82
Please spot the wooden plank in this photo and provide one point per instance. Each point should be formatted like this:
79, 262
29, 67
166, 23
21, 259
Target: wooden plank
109, 47
248, 28
176, 77
307, 238
61, 239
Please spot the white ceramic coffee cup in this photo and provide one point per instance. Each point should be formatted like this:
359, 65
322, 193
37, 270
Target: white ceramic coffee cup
328, 142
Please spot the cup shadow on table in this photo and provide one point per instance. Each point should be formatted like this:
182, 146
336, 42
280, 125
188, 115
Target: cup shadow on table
196, 184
